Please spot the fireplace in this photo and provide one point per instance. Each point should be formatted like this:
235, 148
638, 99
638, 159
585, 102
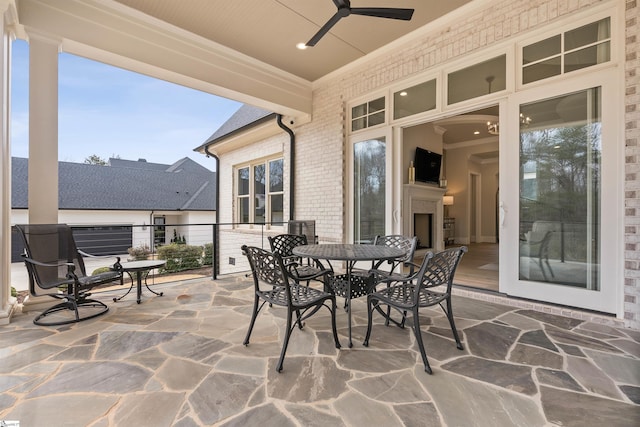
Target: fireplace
423, 230
423, 215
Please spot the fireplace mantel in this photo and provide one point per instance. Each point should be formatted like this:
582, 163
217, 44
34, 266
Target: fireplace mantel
425, 199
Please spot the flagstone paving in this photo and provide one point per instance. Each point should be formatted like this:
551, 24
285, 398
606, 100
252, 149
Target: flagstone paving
178, 360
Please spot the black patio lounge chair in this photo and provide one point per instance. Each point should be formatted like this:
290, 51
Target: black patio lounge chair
418, 291
272, 286
299, 269
56, 265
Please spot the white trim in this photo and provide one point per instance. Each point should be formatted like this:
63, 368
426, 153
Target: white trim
371, 133
141, 43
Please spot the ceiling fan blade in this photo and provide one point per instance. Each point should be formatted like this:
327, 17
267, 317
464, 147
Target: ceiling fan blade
384, 12
324, 30
342, 3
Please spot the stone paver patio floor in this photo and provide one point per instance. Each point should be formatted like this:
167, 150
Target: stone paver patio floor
178, 360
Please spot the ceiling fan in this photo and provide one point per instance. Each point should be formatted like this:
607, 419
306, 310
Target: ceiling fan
345, 9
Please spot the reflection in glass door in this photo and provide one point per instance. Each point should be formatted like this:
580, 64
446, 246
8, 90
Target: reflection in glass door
369, 192
560, 190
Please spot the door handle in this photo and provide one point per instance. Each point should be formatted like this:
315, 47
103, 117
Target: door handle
503, 213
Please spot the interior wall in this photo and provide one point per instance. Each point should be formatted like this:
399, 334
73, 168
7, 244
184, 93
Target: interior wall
488, 200
459, 164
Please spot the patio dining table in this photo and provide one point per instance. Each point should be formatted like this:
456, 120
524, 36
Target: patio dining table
351, 254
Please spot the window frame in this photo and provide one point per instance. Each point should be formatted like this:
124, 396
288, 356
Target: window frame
552, 31
251, 195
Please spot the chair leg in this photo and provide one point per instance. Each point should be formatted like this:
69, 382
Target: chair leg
334, 307
253, 320
74, 305
285, 344
449, 314
370, 308
418, 334
298, 321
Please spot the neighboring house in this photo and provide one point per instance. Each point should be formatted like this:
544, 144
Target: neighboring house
126, 193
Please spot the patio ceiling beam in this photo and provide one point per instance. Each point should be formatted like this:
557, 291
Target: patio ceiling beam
109, 32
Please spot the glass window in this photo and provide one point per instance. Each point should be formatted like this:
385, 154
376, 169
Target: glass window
587, 34
542, 49
260, 192
370, 189
276, 190
415, 99
369, 114
542, 70
583, 47
243, 195
560, 187
478, 80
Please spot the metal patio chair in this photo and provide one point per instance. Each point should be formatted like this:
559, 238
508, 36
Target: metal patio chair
272, 285
299, 269
412, 293
393, 272
56, 265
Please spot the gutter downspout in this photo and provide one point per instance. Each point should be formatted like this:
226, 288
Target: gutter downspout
292, 153
216, 237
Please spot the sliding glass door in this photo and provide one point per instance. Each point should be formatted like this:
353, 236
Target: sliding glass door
557, 225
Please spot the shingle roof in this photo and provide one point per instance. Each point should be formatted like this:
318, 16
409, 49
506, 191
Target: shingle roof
246, 116
124, 185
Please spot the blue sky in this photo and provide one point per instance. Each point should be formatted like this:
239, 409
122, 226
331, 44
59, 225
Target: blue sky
109, 111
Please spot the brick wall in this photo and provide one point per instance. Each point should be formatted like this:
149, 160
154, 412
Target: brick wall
320, 182
321, 145
632, 167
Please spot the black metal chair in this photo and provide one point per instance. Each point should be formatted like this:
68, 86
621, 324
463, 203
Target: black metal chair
412, 293
268, 270
394, 271
299, 269
55, 264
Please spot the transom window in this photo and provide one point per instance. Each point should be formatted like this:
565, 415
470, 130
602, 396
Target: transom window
260, 192
569, 51
369, 114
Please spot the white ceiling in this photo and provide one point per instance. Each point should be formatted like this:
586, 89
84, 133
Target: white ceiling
268, 30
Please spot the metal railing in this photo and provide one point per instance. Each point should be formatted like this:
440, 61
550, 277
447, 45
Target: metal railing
186, 246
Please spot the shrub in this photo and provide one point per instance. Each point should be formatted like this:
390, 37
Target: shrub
207, 256
177, 239
100, 270
139, 252
180, 257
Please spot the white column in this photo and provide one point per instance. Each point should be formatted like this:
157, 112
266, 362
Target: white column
7, 302
43, 141
43, 129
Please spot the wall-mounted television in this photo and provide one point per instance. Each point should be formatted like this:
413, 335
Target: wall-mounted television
427, 164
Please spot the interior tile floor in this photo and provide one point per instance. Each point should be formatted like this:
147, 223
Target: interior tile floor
178, 360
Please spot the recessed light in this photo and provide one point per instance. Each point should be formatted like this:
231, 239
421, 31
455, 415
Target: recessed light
403, 93
301, 46
477, 132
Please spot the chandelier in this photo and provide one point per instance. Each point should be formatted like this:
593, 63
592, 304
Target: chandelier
493, 128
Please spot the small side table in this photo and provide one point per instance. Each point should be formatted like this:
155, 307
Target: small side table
141, 268
449, 226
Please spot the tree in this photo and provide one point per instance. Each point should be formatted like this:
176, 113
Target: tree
94, 159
